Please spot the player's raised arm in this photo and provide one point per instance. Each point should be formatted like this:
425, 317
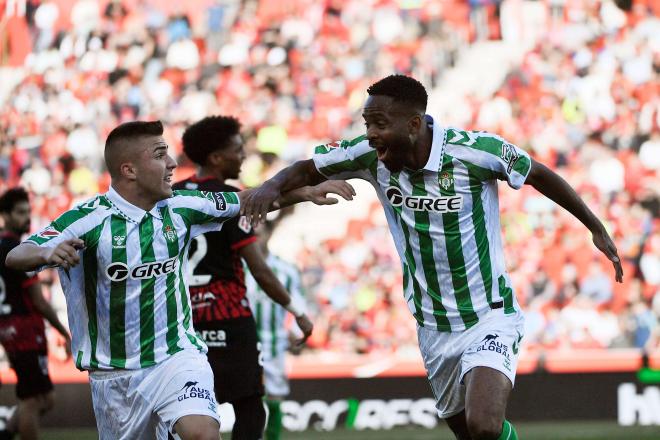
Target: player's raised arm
256, 203
28, 256
550, 184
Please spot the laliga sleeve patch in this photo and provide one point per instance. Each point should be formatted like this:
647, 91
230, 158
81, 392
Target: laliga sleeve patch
220, 202
49, 232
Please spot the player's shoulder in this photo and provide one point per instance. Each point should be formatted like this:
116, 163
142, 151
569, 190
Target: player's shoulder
97, 207
357, 142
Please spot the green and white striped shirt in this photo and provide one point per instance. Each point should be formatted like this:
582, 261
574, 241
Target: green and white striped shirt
127, 301
269, 315
444, 220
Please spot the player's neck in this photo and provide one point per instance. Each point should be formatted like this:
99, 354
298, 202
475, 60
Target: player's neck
207, 172
134, 196
423, 147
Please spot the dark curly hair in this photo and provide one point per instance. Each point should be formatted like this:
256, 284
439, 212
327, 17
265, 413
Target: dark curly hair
402, 89
11, 197
208, 135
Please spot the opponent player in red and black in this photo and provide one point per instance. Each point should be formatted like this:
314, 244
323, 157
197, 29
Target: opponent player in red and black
221, 312
22, 332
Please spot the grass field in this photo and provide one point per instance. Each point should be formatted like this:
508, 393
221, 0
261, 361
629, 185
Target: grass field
526, 431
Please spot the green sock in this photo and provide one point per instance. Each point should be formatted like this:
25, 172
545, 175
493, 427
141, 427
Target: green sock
508, 432
274, 424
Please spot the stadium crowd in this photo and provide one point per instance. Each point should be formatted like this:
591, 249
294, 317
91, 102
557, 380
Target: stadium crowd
586, 102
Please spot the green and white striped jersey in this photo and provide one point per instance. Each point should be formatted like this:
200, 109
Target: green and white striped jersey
269, 315
127, 301
444, 220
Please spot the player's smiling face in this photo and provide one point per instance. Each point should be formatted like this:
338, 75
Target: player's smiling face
154, 169
388, 132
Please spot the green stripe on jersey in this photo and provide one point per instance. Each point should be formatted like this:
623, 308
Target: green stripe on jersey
507, 295
454, 248
90, 268
171, 237
365, 161
118, 295
409, 267
193, 216
147, 336
183, 291
480, 231
423, 226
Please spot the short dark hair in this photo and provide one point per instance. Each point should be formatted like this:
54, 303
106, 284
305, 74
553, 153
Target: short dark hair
208, 135
134, 129
11, 198
401, 88
115, 143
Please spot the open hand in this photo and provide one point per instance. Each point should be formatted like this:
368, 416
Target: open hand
256, 202
319, 194
604, 243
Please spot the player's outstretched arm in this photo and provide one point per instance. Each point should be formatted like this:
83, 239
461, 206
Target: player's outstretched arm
318, 194
256, 203
269, 283
550, 184
28, 256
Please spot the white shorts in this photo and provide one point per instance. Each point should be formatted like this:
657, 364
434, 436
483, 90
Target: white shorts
275, 380
147, 403
493, 342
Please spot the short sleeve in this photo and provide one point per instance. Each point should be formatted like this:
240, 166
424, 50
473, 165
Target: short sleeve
205, 211
346, 159
497, 157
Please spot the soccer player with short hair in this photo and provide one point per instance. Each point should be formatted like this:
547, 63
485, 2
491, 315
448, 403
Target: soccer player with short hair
22, 332
274, 336
221, 312
121, 259
438, 187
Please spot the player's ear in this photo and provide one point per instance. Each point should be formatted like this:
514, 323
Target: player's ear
128, 171
214, 158
415, 123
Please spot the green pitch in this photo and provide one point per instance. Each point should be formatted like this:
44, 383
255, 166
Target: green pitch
526, 431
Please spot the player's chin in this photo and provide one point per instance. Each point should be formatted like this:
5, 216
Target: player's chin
393, 166
166, 190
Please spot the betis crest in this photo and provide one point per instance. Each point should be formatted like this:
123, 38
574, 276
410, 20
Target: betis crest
446, 180
169, 233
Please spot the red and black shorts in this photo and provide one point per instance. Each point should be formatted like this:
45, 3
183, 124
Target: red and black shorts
31, 369
235, 358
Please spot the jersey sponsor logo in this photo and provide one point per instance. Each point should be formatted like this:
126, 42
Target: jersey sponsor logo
509, 155
489, 343
422, 203
49, 232
120, 271
191, 391
244, 224
213, 338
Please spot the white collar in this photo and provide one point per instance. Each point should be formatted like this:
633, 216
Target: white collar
128, 210
437, 145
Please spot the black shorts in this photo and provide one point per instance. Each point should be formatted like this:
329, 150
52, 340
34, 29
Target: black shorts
234, 357
31, 369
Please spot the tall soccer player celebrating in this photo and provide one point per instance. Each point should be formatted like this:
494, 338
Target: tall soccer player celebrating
121, 259
438, 187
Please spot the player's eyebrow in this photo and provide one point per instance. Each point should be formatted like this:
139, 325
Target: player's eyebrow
160, 145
